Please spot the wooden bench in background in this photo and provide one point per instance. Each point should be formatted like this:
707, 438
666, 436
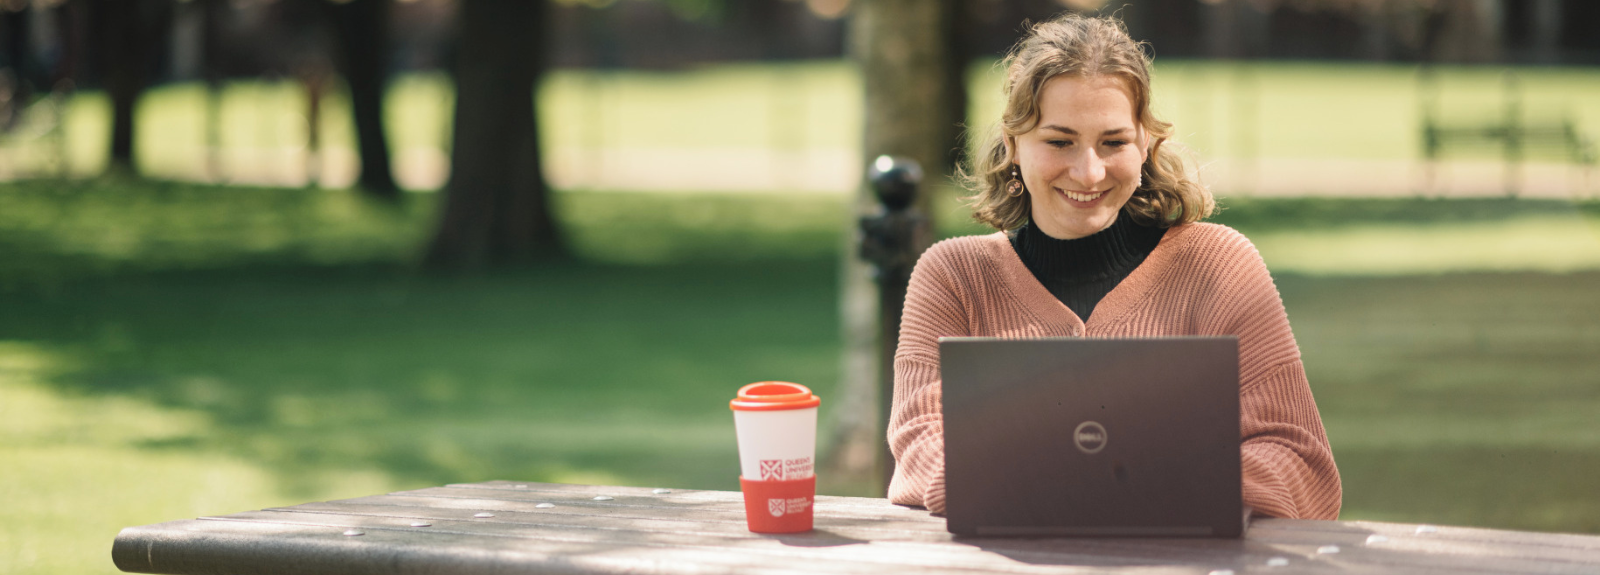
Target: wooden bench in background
1511, 132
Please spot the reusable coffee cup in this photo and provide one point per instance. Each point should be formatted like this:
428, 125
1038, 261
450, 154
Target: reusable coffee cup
776, 423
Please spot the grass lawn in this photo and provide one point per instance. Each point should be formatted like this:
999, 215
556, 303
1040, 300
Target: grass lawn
169, 351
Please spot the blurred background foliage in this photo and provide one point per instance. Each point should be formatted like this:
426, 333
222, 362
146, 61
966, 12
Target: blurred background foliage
235, 322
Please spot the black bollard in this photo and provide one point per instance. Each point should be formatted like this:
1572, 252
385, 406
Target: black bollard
891, 240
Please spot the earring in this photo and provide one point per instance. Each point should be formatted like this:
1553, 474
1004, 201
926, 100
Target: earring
1014, 187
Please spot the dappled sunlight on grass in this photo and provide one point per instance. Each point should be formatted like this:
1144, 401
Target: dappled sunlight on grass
1534, 243
653, 228
1531, 487
1398, 237
1417, 236
79, 467
323, 367
169, 351
198, 350
55, 230
65, 228
262, 389
33, 413
1457, 398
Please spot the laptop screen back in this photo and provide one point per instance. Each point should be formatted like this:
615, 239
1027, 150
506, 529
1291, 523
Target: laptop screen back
1079, 436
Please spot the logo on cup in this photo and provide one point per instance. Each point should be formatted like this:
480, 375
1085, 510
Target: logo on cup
798, 504
772, 469
776, 507
1090, 437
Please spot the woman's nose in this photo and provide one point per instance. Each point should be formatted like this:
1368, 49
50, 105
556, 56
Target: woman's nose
1088, 171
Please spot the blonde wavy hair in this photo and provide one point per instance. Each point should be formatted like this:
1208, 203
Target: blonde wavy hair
1170, 193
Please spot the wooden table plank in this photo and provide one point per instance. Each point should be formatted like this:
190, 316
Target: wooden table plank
751, 549
603, 517
826, 511
730, 501
642, 530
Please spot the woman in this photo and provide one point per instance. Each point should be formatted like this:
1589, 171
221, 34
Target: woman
1099, 220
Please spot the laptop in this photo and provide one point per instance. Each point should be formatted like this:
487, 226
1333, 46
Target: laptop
1107, 437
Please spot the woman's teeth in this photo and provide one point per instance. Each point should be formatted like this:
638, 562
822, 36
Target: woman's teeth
1082, 197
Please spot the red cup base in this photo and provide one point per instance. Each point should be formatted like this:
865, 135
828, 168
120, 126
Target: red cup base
779, 506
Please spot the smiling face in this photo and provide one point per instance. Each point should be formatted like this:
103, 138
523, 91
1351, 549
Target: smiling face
1081, 162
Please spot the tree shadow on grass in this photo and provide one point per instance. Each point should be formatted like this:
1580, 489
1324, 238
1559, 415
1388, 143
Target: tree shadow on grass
1464, 399
1508, 487
315, 364
570, 372
294, 321
1258, 214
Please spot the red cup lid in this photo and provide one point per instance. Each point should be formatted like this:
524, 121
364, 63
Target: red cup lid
774, 396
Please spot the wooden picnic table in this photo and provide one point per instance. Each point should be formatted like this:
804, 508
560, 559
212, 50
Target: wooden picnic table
508, 527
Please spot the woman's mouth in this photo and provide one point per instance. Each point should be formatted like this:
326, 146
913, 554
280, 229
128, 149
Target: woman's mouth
1081, 196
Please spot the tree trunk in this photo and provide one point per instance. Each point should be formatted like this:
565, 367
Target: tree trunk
496, 207
1218, 30
17, 58
958, 55
904, 48
361, 31
1463, 31
1546, 31
120, 27
211, 70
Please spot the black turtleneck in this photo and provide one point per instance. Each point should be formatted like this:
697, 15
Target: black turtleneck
1082, 271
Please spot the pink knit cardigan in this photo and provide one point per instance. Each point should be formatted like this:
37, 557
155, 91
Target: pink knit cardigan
1202, 279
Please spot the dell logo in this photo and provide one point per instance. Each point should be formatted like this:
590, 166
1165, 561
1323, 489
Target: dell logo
1090, 437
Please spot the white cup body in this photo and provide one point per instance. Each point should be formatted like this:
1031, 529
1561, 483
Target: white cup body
776, 445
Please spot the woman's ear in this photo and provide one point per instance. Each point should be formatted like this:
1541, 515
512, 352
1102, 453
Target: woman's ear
1144, 145
1009, 143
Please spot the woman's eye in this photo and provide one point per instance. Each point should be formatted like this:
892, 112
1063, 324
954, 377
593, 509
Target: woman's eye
1058, 143
1117, 143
